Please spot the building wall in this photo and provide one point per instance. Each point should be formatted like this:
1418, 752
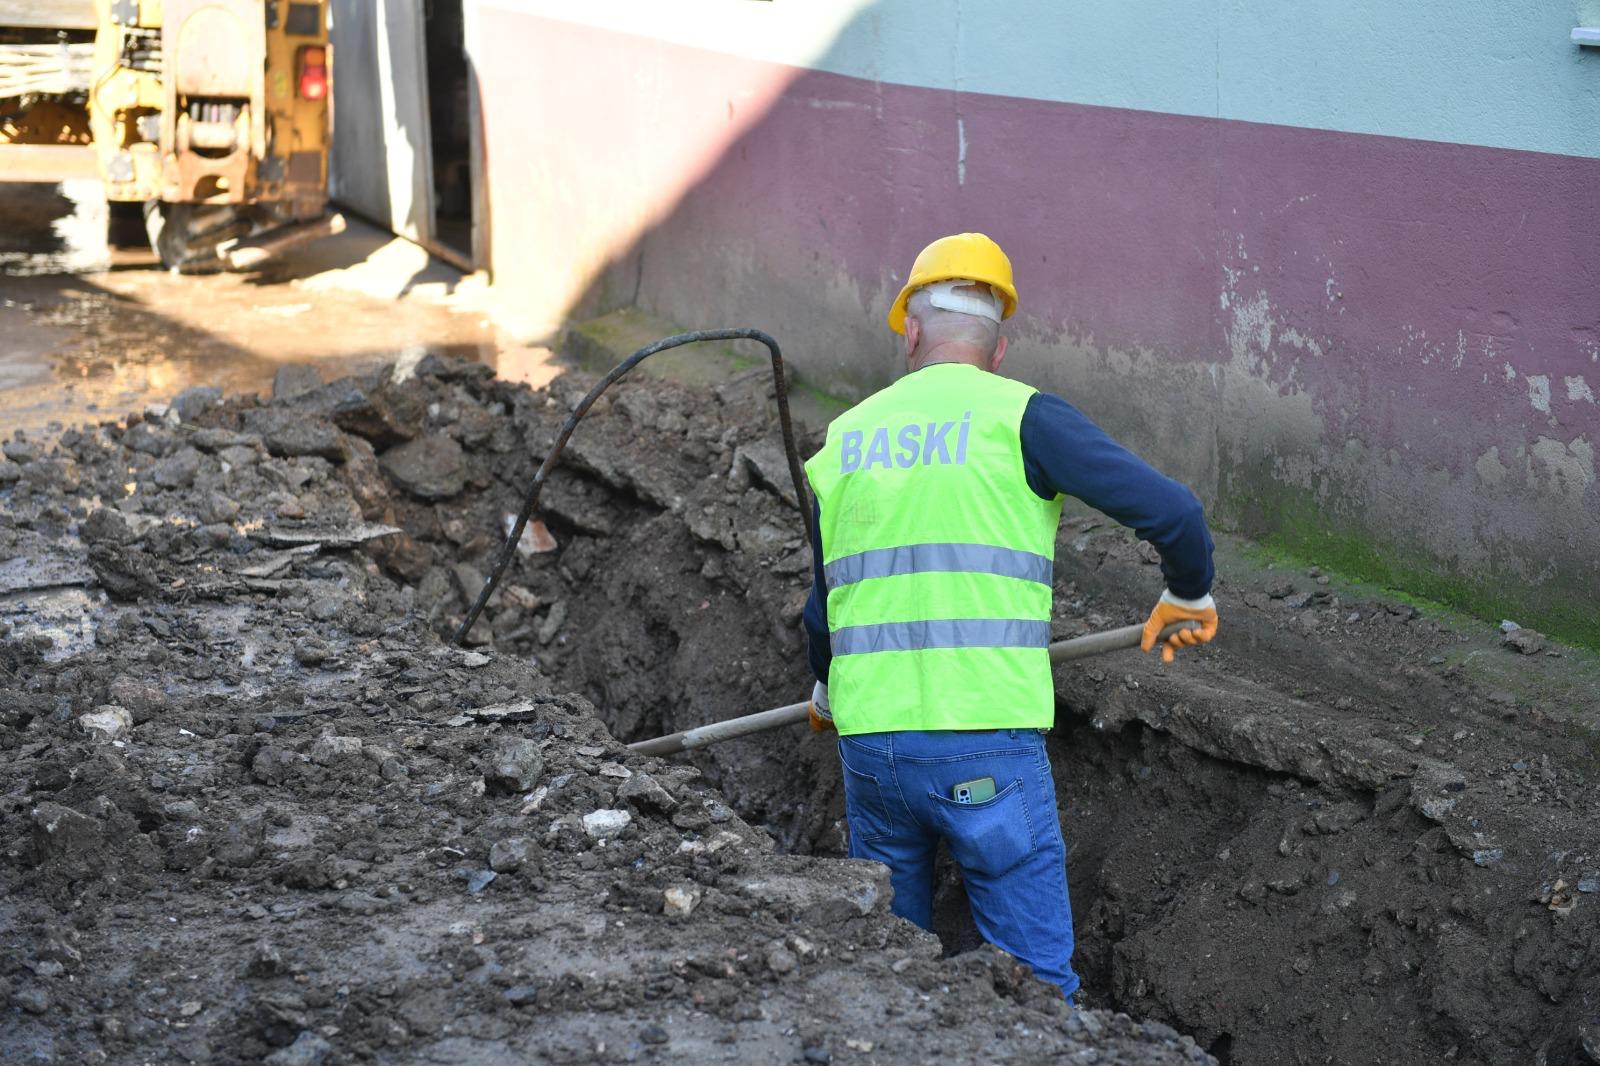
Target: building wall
1334, 265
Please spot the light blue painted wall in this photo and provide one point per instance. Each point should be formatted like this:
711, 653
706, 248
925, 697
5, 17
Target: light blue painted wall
1501, 73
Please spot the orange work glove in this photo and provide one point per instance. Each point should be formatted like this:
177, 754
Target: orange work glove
817, 709
1170, 609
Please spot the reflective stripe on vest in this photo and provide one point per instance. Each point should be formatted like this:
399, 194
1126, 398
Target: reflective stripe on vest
938, 559
941, 633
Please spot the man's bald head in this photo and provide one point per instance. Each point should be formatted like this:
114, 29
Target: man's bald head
941, 335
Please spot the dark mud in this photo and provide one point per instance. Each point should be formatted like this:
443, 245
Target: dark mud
254, 808
1326, 838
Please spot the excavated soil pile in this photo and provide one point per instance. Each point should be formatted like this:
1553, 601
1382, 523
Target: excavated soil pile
1320, 839
254, 809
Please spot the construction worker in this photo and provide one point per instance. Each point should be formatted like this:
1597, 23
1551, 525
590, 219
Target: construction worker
937, 503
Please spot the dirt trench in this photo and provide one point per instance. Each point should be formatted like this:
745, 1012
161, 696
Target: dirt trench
1317, 841
1320, 839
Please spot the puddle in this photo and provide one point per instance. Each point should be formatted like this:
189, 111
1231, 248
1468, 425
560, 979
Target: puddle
94, 333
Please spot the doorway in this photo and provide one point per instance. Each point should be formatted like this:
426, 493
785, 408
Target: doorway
451, 119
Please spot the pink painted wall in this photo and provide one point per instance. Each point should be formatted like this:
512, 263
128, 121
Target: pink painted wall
1379, 350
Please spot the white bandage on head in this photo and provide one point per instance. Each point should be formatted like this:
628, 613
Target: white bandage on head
966, 297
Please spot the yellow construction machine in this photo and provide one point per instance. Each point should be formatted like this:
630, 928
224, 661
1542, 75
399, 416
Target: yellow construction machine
211, 118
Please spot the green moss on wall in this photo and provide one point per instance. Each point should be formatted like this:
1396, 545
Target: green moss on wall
1292, 527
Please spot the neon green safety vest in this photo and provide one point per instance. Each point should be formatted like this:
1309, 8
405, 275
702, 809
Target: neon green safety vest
937, 558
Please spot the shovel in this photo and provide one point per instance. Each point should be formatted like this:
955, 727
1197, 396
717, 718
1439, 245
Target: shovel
1060, 652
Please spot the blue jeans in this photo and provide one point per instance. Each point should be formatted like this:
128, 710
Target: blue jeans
897, 798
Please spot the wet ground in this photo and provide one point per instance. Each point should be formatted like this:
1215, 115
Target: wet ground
93, 330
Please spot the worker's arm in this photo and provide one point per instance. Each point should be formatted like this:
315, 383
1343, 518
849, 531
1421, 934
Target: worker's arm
1063, 452
815, 616
818, 647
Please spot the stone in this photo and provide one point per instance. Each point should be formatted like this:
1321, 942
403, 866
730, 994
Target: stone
1524, 641
1488, 856
431, 467
311, 652
536, 538
9, 472
509, 854
328, 749
105, 526
238, 455
32, 1000
480, 880
308, 1049
781, 960
70, 842
194, 401
642, 789
325, 608
295, 379
142, 698
838, 889
146, 438
553, 622
521, 995
605, 822
106, 723
19, 450
653, 1034
514, 767
769, 466
182, 810
468, 581
214, 507
177, 470
1508, 626
214, 439
295, 433
679, 901
383, 416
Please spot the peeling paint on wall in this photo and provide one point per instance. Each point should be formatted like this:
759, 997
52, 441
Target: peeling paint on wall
1539, 392
1566, 468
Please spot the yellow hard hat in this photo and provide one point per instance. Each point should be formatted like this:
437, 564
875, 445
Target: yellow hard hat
971, 256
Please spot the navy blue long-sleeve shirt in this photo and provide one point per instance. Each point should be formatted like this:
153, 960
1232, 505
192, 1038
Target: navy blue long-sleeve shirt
1064, 453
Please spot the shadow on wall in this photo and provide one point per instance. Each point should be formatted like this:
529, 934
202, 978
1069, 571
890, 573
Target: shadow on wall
1379, 352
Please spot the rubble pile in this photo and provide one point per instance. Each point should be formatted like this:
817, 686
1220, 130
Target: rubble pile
257, 810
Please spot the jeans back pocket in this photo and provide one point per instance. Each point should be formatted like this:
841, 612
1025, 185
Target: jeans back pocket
864, 808
992, 837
